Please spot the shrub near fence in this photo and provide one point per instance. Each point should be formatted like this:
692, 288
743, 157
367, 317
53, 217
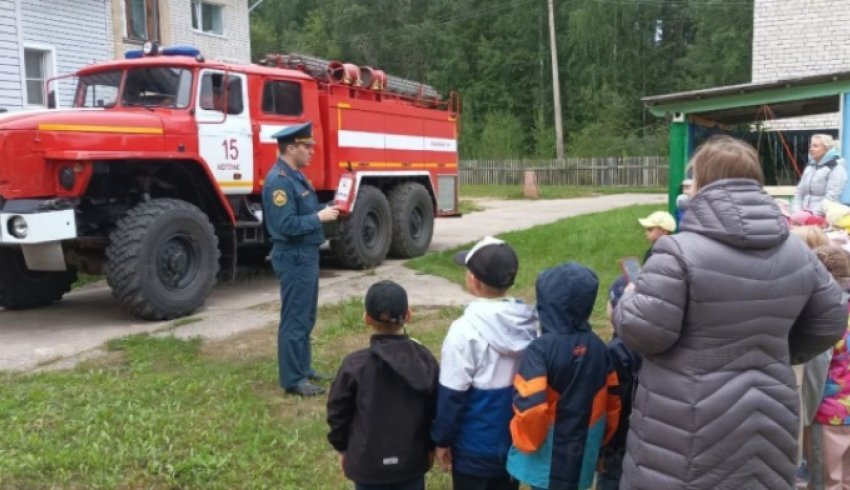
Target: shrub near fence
608, 171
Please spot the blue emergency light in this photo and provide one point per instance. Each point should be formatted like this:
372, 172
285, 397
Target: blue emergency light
153, 49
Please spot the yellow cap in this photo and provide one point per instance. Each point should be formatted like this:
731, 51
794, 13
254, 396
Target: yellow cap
659, 219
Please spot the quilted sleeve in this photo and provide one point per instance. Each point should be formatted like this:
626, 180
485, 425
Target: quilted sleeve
822, 322
834, 184
649, 319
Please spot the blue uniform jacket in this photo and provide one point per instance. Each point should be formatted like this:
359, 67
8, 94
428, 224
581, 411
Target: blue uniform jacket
289, 206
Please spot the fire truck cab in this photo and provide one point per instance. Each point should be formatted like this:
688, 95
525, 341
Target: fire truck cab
153, 177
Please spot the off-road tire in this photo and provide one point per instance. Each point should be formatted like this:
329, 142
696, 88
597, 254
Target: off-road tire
21, 288
162, 259
364, 235
413, 220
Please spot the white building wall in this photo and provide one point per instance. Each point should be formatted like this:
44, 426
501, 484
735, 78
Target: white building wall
78, 33
233, 46
11, 96
798, 38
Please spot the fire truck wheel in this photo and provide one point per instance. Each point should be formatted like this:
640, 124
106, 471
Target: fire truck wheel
364, 236
413, 220
162, 259
21, 288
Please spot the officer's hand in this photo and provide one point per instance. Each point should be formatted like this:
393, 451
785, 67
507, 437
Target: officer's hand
329, 214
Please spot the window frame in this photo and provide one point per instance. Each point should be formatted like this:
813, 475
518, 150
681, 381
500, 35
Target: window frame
48, 66
269, 82
226, 92
197, 7
151, 21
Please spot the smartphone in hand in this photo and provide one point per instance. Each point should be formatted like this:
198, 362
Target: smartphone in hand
630, 267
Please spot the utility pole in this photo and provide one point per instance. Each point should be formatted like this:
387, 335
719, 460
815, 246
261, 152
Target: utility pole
556, 85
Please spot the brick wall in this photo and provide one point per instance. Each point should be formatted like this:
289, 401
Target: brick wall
233, 46
797, 38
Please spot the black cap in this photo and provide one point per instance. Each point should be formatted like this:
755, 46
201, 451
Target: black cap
491, 261
386, 301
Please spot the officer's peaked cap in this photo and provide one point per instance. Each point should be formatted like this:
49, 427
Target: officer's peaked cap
299, 133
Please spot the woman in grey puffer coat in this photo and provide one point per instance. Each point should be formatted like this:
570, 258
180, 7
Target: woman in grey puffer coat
823, 178
718, 313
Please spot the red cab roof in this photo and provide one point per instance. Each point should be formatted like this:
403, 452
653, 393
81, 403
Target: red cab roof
190, 63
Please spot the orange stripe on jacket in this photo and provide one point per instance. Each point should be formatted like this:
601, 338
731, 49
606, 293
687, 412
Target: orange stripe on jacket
530, 387
530, 427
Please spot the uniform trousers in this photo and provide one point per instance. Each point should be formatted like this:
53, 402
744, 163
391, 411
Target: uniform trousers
297, 270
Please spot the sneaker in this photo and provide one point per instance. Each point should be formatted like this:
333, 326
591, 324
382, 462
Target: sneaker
306, 389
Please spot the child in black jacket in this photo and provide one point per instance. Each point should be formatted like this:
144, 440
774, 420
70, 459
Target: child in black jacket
382, 400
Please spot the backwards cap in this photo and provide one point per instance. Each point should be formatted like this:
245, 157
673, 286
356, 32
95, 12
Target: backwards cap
492, 261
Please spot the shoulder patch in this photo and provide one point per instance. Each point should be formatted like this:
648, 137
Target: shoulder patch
279, 198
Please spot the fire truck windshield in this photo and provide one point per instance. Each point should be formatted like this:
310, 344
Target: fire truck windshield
98, 89
144, 87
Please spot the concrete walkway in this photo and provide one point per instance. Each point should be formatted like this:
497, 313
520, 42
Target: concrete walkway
72, 330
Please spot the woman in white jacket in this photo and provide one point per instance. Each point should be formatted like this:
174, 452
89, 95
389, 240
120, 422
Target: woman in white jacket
823, 179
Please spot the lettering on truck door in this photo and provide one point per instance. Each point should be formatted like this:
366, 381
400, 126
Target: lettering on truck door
224, 130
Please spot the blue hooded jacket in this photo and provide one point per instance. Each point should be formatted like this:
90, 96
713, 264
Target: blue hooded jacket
561, 402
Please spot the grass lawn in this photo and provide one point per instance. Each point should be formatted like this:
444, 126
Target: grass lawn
163, 413
549, 192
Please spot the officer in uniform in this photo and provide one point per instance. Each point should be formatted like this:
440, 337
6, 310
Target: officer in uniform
294, 220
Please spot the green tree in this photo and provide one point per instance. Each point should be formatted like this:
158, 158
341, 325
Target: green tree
495, 53
501, 137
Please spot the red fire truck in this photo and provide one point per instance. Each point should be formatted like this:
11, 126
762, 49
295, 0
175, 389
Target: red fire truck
153, 176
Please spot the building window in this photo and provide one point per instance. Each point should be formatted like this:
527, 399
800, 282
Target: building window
207, 17
142, 20
283, 98
37, 68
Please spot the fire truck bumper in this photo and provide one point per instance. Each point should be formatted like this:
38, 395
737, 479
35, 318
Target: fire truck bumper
22, 228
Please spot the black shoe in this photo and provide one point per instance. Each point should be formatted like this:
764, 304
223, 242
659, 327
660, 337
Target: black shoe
306, 388
314, 376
